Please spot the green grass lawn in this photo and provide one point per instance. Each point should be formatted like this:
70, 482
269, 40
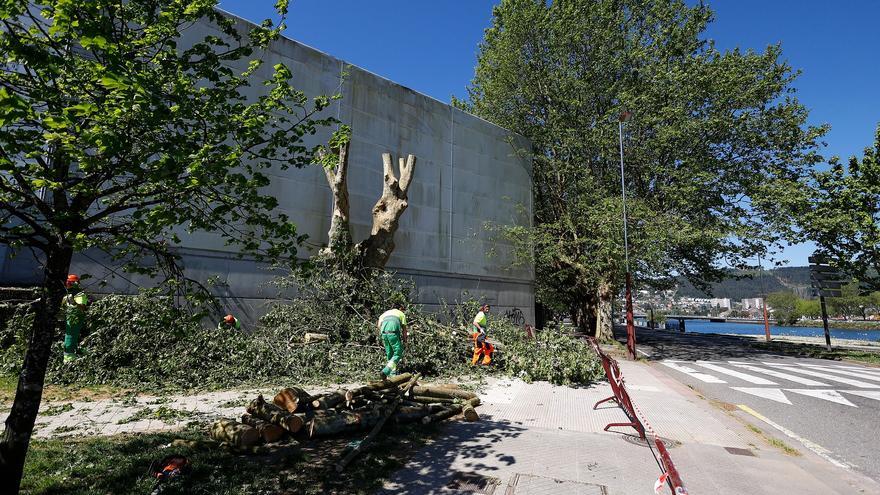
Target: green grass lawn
120, 464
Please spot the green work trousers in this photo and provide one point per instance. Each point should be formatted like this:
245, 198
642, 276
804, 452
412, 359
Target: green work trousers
393, 352
72, 328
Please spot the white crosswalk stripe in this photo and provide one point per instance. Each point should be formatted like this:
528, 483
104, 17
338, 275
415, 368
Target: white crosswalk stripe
757, 380
826, 376
766, 393
779, 374
692, 372
829, 395
857, 374
830, 376
868, 394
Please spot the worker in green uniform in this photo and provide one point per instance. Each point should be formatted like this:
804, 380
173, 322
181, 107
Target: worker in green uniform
75, 303
392, 329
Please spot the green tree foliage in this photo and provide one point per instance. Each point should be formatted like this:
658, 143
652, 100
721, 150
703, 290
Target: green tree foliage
117, 134
714, 137
840, 212
851, 302
785, 307
809, 308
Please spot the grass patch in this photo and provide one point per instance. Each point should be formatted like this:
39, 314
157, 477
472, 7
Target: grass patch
120, 464
65, 429
167, 415
61, 393
242, 402
59, 409
779, 444
819, 352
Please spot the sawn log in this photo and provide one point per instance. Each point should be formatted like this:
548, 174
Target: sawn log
274, 414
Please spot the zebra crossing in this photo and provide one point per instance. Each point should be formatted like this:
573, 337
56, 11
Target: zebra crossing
778, 382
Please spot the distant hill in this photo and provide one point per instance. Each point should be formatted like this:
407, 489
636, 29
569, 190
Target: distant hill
794, 279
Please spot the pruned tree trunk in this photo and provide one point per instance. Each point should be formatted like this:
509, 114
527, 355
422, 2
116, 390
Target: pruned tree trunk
376, 249
270, 433
339, 236
446, 393
604, 323
274, 414
235, 434
29, 393
293, 399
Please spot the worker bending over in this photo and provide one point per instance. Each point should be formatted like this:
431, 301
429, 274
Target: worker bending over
482, 348
229, 323
392, 328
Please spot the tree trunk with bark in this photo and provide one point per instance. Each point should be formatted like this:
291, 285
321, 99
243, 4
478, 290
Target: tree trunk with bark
339, 236
446, 393
29, 393
270, 433
375, 250
235, 434
604, 322
293, 399
274, 414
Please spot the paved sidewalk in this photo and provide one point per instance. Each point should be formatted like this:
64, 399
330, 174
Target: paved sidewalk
543, 439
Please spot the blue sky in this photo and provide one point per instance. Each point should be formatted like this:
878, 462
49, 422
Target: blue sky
430, 46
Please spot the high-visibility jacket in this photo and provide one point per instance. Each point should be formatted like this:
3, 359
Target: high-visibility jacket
393, 313
72, 301
481, 320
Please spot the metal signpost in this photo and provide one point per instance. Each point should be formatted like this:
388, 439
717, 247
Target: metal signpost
630, 327
827, 281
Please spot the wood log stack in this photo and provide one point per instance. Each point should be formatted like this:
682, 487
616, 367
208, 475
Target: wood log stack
295, 413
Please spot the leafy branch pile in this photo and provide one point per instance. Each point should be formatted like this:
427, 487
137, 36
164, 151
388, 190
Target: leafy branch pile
144, 341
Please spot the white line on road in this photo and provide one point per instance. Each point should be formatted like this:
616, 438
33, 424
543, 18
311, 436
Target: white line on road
779, 374
643, 353
829, 395
866, 376
692, 372
826, 376
757, 380
816, 448
766, 393
869, 394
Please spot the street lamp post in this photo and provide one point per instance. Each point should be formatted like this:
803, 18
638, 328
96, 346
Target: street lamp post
630, 327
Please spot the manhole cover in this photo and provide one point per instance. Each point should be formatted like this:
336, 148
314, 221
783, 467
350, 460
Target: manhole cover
739, 451
641, 442
527, 484
473, 483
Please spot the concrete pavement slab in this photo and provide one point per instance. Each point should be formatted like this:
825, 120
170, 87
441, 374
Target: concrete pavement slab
537, 437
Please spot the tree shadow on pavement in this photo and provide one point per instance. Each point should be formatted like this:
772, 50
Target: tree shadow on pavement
461, 447
665, 344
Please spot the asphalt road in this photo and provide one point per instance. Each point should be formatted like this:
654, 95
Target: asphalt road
823, 405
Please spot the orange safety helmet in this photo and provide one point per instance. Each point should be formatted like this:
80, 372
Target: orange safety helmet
72, 279
229, 319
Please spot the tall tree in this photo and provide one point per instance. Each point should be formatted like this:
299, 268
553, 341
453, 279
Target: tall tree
713, 137
839, 210
117, 135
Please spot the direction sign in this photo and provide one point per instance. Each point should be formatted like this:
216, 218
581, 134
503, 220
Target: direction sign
828, 292
827, 284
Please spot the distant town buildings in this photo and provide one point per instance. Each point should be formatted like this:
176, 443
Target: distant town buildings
752, 303
723, 303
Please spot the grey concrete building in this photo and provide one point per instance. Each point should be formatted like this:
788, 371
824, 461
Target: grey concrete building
469, 172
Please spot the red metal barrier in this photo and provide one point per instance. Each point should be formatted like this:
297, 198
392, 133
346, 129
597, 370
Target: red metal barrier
670, 474
621, 396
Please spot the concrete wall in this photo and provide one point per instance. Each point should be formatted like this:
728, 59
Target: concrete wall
469, 172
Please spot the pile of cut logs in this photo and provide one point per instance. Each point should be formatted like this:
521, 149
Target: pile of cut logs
293, 411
